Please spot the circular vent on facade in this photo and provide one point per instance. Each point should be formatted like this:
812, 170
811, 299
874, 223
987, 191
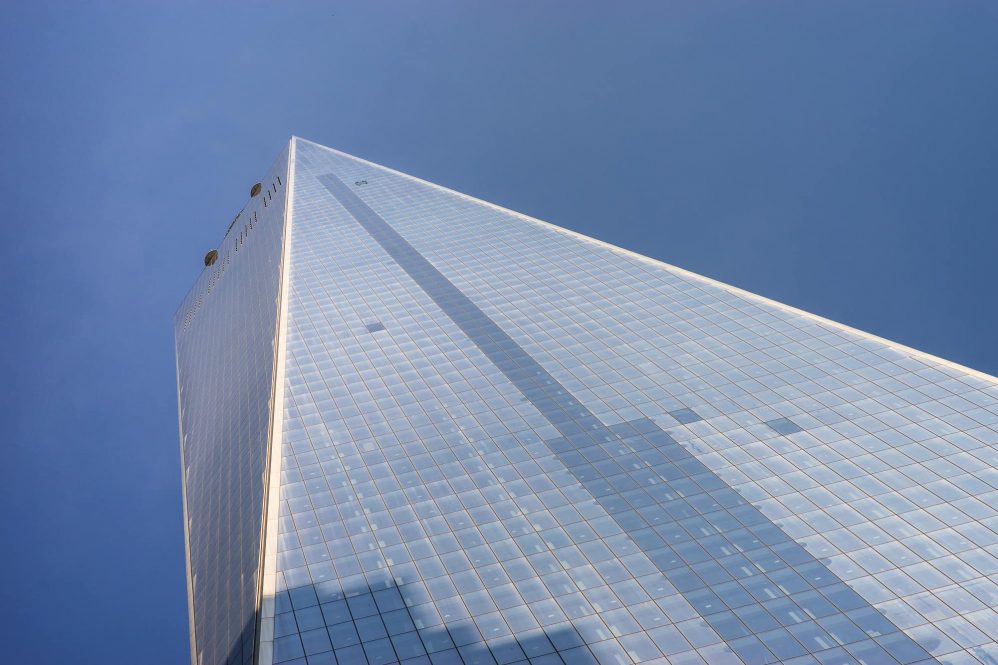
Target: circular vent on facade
256, 189
211, 257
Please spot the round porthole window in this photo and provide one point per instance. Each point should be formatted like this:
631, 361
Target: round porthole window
211, 257
256, 189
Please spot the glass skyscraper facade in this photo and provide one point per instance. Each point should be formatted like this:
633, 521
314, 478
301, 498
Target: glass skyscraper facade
419, 428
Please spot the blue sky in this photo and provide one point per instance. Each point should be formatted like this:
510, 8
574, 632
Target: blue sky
840, 157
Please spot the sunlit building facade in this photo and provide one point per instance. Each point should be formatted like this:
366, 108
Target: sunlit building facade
419, 428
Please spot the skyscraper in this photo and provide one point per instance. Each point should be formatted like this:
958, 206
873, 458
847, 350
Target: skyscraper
420, 428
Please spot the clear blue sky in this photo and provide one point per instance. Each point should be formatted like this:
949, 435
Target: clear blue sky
841, 157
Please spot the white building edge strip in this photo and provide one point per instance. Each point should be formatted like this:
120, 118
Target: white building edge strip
265, 640
928, 357
187, 524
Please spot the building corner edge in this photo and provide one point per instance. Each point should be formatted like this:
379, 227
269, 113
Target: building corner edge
192, 638
266, 609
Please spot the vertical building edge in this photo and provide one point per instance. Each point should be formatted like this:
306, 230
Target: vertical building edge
272, 478
187, 536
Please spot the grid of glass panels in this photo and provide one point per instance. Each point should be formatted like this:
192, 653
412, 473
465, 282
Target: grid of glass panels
433, 512
225, 333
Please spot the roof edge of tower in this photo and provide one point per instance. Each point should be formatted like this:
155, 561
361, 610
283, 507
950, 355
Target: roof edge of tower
287, 150
897, 346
